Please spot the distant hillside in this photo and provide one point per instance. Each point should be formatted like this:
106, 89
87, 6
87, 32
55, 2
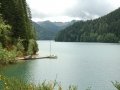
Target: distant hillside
103, 29
47, 30
42, 33
63, 25
49, 25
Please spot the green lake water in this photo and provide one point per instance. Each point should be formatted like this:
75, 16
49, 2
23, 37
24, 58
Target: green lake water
92, 65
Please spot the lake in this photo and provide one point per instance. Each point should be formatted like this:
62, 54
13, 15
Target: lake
92, 65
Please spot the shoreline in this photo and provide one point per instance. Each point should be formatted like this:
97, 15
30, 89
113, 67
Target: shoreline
34, 57
30, 58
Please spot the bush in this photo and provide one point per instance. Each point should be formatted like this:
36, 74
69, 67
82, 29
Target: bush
6, 56
32, 47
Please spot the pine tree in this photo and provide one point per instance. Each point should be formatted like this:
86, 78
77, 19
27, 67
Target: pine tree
17, 14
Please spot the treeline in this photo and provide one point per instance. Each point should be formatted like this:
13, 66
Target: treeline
103, 29
16, 30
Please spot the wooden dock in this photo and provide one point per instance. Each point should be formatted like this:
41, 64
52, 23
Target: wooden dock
37, 57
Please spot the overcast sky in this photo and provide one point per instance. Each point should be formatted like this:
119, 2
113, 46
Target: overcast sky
67, 10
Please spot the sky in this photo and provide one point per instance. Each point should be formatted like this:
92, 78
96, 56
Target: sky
68, 10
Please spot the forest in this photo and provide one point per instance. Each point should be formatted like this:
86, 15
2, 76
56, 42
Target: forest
17, 34
104, 29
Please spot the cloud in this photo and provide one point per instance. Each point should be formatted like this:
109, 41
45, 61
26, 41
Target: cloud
36, 14
90, 9
57, 18
55, 10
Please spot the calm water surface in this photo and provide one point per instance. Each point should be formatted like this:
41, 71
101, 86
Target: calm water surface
83, 64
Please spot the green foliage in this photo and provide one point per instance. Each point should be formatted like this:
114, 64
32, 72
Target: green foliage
72, 87
6, 56
110, 37
4, 33
20, 48
103, 29
32, 47
17, 29
15, 84
117, 85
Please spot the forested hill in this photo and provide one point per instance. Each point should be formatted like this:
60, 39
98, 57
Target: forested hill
16, 29
47, 30
43, 33
103, 29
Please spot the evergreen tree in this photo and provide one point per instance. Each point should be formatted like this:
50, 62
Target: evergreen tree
103, 29
17, 14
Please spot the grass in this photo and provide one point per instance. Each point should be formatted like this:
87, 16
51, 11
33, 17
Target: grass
18, 84
15, 84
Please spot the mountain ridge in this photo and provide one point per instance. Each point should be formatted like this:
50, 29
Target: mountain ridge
47, 30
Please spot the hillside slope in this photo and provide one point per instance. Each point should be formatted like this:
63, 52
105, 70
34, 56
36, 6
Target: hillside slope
47, 30
42, 33
103, 29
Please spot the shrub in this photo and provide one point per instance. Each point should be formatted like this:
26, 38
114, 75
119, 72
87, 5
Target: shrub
6, 56
15, 84
32, 47
117, 85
